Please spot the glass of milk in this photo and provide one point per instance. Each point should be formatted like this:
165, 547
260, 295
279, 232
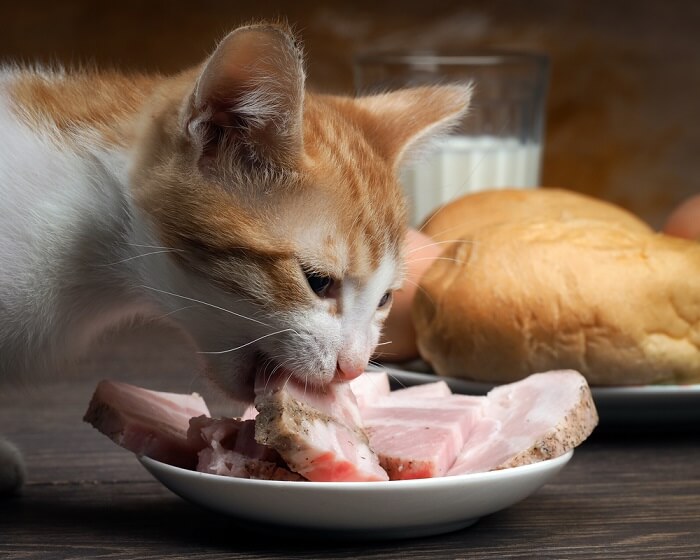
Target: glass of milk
499, 142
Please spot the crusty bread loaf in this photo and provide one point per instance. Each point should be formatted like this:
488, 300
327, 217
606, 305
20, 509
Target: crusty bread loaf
472, 212
611, 299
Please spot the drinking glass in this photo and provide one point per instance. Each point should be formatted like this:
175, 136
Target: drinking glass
499, 142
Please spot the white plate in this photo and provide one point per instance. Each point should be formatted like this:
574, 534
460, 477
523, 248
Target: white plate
372, 510
648, 404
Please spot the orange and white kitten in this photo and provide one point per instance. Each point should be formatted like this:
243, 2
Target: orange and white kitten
265, 220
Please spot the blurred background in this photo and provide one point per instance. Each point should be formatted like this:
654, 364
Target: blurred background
622, 110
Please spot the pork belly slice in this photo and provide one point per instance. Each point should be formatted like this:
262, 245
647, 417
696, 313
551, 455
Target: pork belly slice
374, 385
540, 417
370, 386
150, 423
231, 450
317, 431
420, 437
425, 390
421, 448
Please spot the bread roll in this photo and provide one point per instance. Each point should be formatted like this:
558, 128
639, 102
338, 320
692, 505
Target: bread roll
475, 211
606, 297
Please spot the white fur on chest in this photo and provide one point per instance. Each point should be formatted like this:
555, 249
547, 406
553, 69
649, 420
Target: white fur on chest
65, 219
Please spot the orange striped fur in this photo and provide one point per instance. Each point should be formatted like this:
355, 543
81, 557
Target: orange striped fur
254, 183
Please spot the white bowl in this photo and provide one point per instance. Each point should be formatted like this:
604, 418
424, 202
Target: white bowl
395, 509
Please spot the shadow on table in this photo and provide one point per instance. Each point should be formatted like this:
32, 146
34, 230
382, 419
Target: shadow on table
166, 521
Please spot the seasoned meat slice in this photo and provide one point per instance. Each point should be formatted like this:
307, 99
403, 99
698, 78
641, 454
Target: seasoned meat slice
318, 432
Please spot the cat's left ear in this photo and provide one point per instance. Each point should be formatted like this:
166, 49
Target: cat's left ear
248, 100
403, 124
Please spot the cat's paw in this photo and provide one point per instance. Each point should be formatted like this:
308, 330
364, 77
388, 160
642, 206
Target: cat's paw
12, 471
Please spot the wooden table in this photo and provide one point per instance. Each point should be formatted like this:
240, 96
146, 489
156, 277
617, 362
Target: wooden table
629, 492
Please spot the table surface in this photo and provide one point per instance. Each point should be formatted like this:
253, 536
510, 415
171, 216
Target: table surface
629, 492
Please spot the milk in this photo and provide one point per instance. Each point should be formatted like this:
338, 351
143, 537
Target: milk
464, 164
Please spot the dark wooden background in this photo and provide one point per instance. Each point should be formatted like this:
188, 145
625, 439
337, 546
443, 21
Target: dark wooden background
622, 112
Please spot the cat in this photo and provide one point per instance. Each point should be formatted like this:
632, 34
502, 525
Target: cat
265, 220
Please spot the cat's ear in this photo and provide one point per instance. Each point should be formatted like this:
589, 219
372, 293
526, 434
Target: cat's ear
404, 124
247, 102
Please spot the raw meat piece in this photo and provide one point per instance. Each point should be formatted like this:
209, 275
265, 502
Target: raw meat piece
231, 450
420, 437
432, 449
149, 423
318, 431
373, 385
406, 408
537, 418
435, 389
370, 386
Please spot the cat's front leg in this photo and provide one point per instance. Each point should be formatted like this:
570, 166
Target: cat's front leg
12, 469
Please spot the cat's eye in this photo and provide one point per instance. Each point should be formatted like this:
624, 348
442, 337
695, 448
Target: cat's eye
320, 284
386, 298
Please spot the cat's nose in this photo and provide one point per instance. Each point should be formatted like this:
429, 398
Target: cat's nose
347, 370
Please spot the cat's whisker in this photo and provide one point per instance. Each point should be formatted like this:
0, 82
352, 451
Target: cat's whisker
149, 246
451, 259
271, 360
372, 380
470, 241
446, 230
286, 382
247, 343
422, 289
383, 343
278, 365
203, 303
396, 379
133, 257
164, 315
266, 377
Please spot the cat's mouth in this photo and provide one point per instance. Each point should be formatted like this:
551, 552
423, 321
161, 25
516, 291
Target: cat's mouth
240, 379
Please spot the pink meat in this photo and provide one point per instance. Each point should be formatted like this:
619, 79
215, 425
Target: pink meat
426, 431
538, 418
149, 423
435, 389
231, 450
420, 448
317, 431
319, 434
420, 437
370, 386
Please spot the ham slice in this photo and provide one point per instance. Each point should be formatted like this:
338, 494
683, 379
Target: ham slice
426, 431
422, 447
540, 417
370, 386
318, 431
420, 436
150, 423
323, 435
435, 389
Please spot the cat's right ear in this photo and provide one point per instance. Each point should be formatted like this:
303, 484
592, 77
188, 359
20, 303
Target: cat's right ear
247, 102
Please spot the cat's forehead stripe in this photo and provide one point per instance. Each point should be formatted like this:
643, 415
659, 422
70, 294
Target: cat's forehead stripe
367, 197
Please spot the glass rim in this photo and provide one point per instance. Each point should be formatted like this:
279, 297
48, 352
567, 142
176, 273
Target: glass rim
468, 57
